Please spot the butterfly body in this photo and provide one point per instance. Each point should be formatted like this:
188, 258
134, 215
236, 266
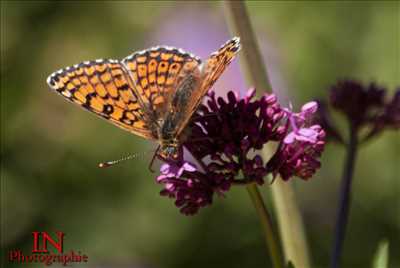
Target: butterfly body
151, 93
169, 134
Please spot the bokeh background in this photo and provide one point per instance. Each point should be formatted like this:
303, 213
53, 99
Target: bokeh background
50, 148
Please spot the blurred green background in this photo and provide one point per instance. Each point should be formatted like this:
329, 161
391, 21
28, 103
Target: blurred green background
50, 148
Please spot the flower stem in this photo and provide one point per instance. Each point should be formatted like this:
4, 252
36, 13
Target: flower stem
251, 62
345, 199
289, 217
266, 223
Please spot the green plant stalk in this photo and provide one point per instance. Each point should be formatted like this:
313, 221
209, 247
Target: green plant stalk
266, 223
290, 223
251, 62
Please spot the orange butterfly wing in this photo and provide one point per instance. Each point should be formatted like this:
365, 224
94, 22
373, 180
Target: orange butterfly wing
210, 71
218, 61
105, 88
156, 72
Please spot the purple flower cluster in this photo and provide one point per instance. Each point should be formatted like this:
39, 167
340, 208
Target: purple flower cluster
389, 116
363, 106
227, 131
299, 152
223, 142
190, 188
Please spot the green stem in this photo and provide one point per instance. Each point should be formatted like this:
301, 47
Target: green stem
291, 227
251, 62
289, 217
266, 223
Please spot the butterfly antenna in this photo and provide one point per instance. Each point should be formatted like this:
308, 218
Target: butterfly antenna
114, 162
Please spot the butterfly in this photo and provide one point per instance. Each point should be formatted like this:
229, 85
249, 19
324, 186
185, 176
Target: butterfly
151, 93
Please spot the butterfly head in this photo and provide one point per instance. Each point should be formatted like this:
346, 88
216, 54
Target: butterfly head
170, 149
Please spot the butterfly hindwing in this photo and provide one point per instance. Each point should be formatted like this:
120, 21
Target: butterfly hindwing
156, 72
105, 88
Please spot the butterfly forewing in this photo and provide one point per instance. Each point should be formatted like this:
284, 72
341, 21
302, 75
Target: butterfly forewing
211, 70
218, 61
103, 87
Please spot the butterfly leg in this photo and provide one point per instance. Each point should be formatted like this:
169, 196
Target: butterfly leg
203, 139
196, 117
153, 158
